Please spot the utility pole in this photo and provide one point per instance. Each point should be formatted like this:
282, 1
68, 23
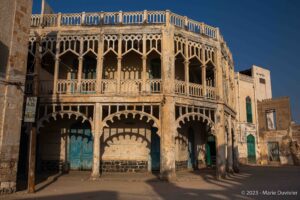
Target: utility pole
32, 123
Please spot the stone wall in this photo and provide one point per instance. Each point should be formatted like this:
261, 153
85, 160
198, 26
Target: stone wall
124, 166
14, 23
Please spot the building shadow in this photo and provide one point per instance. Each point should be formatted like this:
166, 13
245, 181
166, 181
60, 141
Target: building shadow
95, 195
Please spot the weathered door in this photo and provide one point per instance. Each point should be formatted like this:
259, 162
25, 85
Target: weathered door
191, 149
273, 151
155, 151
210, 148
251, 148
80, 147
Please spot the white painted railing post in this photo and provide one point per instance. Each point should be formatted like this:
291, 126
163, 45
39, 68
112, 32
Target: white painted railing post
167, 17
59, 19
202, 25
218, 33
82, 18
186, 23
120, 17
101, 18
145, 17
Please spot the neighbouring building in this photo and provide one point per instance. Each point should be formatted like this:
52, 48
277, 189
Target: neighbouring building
265, 132
275, 131
14, 24
252, 85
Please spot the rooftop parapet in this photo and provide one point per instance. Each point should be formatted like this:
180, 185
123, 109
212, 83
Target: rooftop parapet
128, 18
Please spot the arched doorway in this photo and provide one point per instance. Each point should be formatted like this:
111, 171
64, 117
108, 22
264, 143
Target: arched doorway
191, 149
251, 149
210, 151
130, 143
80, 153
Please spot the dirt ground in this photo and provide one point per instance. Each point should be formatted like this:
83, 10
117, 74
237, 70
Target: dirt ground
251, 183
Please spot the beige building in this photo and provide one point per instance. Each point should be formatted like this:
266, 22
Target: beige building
252, 85
132, 92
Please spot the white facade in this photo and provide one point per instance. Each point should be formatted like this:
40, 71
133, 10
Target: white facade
254, 84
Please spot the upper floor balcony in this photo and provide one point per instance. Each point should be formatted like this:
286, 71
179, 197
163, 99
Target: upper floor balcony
109, 61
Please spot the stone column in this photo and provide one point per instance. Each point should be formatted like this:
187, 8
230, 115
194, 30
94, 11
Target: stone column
229, 147
167, 147
80, 66
97, 134
56, 66
99, 64
186, 65
203, 68
79, 73
119, 64
187, 78
168, 127
220, 143
144, 59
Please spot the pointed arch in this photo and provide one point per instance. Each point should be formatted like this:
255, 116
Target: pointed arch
134, 113
195, 116
62, 114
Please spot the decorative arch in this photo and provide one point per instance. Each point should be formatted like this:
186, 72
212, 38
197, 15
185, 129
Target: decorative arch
194, 116
133, 113
62, 114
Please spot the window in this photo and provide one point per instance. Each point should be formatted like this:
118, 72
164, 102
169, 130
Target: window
249, 110
262, 81
271, 119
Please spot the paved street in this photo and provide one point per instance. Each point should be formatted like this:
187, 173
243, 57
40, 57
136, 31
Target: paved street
251, 183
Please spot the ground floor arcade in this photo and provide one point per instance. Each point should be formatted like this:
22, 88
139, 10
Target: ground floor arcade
131, 139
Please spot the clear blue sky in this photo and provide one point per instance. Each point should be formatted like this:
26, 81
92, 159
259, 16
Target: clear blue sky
261, 32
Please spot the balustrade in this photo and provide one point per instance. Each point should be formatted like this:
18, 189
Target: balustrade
210, 92
66, 86
108, 86
127, 86
154, 85
131, 86
195, 90
88, 85
180, 87
115, 18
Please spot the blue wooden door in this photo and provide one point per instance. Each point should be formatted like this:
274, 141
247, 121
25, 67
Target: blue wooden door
80, 147
155, 151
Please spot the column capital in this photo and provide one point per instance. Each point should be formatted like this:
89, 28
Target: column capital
144, 57
80, 58
119, 57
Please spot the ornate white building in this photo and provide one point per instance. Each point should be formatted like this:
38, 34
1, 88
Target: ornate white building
131, 92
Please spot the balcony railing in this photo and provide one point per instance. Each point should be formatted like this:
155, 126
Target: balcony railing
110, 86
88, 86
195, 90
131, 86
128, 18
66, 86
180, 87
